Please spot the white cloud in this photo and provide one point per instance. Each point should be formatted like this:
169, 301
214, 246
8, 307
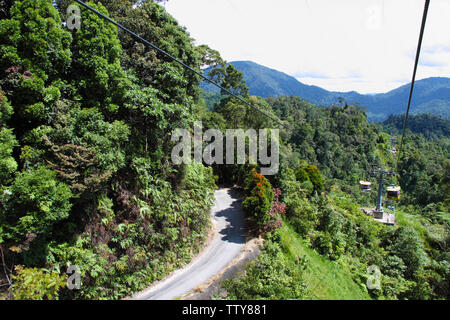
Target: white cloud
361, 45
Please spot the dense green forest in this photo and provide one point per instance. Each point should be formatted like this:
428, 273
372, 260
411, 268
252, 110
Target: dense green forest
86, 178
429, 125
322, 211
86, 174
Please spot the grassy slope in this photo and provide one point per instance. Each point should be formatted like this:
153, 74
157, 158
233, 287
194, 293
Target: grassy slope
405, 219
325, 279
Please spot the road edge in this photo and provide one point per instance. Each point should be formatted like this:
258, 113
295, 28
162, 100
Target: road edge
153, 285
209, 289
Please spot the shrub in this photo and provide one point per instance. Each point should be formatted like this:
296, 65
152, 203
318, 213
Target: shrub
302, 214
259, 197
301, 175
38, 201
274, 214
7, 163
271, 276
315, 177
36, 284
409, 247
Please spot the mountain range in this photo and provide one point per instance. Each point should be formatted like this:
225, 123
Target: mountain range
431, 95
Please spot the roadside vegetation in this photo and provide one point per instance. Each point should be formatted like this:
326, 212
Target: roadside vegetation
86, 176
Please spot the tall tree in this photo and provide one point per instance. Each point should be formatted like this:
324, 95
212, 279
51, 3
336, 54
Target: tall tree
34, 51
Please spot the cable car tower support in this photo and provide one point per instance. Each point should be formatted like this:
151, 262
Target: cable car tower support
378, 212
381, 173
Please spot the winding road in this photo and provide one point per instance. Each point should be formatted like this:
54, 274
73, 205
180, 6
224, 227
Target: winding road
227, 243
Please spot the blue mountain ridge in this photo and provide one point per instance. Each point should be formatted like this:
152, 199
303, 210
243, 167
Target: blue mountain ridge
431, 95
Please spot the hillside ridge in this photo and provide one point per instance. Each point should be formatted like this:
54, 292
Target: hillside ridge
431, 95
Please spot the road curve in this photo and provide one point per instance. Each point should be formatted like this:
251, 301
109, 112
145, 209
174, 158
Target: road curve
227, 243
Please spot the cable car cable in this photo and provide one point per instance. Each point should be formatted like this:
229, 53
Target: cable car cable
178, 61
419, 45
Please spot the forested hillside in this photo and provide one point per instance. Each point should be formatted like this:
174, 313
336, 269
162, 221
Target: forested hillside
431, 95
429, 125
87, 179
322, 212
86, 175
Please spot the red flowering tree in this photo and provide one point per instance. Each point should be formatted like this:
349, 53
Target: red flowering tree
262, 203
275, 212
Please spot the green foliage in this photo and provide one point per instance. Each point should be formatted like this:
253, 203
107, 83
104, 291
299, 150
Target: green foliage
408, 246
5, 6
423, 170
301, 175
7, 163
429, 125
6, 110
259, 197
34, 52
36, 284
37, 201
233, 110
303, 215
86, 177
97, 72
431, 94
315, 177
324, 279
336, 229
339, 140
344, 146
174, 83
33, 39
271, 276
91, 182
163, 230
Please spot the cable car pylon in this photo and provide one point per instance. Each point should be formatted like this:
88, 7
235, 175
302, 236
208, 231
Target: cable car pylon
393, 193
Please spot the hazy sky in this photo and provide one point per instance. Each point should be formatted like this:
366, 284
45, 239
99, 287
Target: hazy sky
341, 45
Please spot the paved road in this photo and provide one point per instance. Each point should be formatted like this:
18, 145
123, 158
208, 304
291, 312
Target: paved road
226, 245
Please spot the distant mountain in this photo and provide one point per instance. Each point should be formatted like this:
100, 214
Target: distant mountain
431, 95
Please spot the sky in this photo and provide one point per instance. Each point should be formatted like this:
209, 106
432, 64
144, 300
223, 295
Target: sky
366, 46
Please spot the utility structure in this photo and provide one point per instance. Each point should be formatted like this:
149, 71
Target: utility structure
378, 213
393, 145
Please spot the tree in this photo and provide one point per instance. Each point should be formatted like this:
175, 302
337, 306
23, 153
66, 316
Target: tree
233, 110
37, 201
154, 24
8, 165
34, 51
210, 58
97, 72
315, 177
8, 141
409, 247
259, 198
301, 174
36, 284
